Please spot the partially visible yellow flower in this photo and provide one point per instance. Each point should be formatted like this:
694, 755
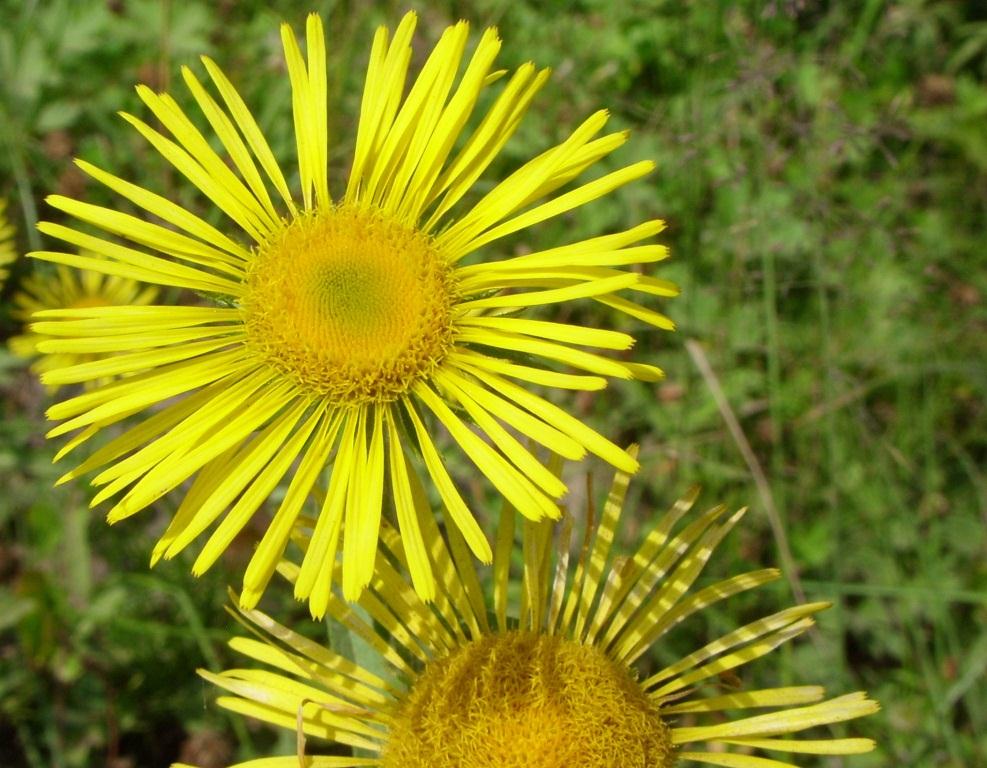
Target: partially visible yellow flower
348, 331
547, 675
8, 251
69, 289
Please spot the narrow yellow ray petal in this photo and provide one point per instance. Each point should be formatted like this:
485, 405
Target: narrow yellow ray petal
731, 660
587, 155
450, 125
330, 516
374, 499
400, 140
278, 716
276, 699
560, 332
594, 442
837, 710
355, 511
448, 53
301, 105
84, 343
657, 554
325, 658
171, 212
507, 443
502, 563
587, 253
636, 311
143, 389
287, 694
529, 426
141, 433
321, 597
730, 760
451, 603
852, 746
343, 613
411, 535
203, 258
203, 485
562, 276
140, 266
580, 290
309, 107
672, 588
515, 486
315, 40
476, 360
251, 132
746, 633
768, 697
389, 626
644, 372
509, 194
536, 538
561, 577
126, 364
391, 585
699, 601
485, 143
577, 358
137, 318
392, 588
71, 445
166, 109
232, 142
381, 98
466, 568
369, 105
572, 598
600, 553
280, 447
168, 474
222, 403
454, 504
562, 203
272, 545
185, 164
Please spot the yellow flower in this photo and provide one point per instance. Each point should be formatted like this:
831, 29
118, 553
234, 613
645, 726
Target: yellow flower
463, 683
342, 328
68, 289
8, 252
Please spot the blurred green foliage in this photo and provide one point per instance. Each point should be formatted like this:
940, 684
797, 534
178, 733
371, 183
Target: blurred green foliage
823, 167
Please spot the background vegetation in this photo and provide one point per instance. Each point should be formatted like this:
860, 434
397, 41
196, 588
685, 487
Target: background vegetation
823, 167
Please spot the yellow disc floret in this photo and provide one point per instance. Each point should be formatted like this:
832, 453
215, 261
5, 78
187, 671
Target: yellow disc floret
524, 700
350, 304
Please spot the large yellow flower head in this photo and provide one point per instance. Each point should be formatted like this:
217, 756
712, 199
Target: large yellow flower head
544, 677
339, 331
69, 289
8, 251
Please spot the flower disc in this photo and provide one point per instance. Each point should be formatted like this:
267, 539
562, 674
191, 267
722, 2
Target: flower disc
351, 304
527, 700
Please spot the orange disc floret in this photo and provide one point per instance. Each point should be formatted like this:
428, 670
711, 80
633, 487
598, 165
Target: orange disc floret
350, 304
527, 700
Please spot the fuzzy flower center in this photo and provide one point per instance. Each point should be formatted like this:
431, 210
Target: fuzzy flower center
350, 304
523, 700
